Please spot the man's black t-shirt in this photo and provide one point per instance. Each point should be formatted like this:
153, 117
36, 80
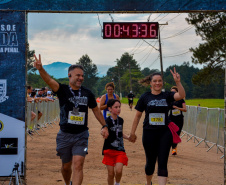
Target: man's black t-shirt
115, 138
130, 96
69, 122
156, 109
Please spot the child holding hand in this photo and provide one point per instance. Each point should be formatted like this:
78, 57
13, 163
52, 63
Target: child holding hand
113, 150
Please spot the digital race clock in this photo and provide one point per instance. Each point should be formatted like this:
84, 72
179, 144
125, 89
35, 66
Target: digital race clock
130, 30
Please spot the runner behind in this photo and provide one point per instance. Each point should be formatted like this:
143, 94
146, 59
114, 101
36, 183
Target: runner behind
176, 116
130, 99
109, 87
113, 149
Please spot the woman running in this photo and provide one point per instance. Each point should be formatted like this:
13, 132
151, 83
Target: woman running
109, 87
176, 116
157, 138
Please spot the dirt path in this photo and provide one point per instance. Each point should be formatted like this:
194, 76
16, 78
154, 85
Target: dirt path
193, 165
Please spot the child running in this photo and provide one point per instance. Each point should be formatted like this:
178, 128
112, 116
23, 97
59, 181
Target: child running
113, 149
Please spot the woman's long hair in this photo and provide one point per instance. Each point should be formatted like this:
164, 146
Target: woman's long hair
146, 81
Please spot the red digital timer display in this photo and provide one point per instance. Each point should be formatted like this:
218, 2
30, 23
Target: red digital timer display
130, 30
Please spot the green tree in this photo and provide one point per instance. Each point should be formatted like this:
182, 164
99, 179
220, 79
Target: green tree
126, 63
127, 68
137, 88
30, 60
146, 71
36, 81
90, 73
211, 27
186, 73
101, 85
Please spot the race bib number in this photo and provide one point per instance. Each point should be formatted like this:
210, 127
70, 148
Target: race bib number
175, 112
157, 119
76, 119
131, 99
108, 113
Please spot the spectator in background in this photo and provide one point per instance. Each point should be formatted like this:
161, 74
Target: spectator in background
29, 99
33, 94
199, 109
45, 91
49, 96
40, 93
35, 98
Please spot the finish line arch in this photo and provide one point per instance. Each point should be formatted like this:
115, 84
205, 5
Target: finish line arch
13, 47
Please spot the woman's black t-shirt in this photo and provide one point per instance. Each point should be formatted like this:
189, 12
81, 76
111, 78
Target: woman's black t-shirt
115, 138
70, 122
175, 113
156, 109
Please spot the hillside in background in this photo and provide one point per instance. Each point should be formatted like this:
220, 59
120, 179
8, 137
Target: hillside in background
60, 69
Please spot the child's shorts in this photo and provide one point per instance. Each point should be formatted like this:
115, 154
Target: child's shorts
111, 157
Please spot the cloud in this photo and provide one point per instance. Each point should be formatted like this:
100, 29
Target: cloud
66, 37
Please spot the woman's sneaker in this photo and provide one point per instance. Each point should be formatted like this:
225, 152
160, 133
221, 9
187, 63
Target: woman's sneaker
174, 151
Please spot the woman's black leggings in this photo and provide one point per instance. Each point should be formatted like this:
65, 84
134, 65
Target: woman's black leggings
157, 144
180, 123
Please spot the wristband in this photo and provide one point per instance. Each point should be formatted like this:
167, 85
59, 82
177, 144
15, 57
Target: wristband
105, 126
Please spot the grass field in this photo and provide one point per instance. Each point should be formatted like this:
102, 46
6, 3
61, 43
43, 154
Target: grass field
210, 103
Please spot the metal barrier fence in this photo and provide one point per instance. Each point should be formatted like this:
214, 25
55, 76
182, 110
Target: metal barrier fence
49, 112
205, 125
200, 123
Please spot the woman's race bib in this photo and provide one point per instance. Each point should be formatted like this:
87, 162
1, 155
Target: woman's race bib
156, 118
175, 112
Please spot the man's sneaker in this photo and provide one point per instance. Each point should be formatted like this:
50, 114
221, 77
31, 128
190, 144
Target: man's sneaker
174, 151
151, 183
70, 183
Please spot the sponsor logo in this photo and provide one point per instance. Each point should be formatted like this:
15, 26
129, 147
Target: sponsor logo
161, 102
3, 90
1, 125
4, 1
79, 100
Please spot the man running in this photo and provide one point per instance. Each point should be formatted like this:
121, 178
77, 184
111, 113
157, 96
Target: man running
130, 97
72, 139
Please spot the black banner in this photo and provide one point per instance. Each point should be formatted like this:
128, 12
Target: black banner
114, 5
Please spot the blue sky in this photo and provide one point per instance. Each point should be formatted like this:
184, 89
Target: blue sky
66, 37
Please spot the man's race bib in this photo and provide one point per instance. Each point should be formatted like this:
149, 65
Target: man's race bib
131, 99
175, 112
76, 119
156, 118
108, 113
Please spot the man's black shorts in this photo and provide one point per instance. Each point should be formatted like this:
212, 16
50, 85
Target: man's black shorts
130, 101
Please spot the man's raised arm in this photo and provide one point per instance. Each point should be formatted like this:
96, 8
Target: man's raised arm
45, 76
